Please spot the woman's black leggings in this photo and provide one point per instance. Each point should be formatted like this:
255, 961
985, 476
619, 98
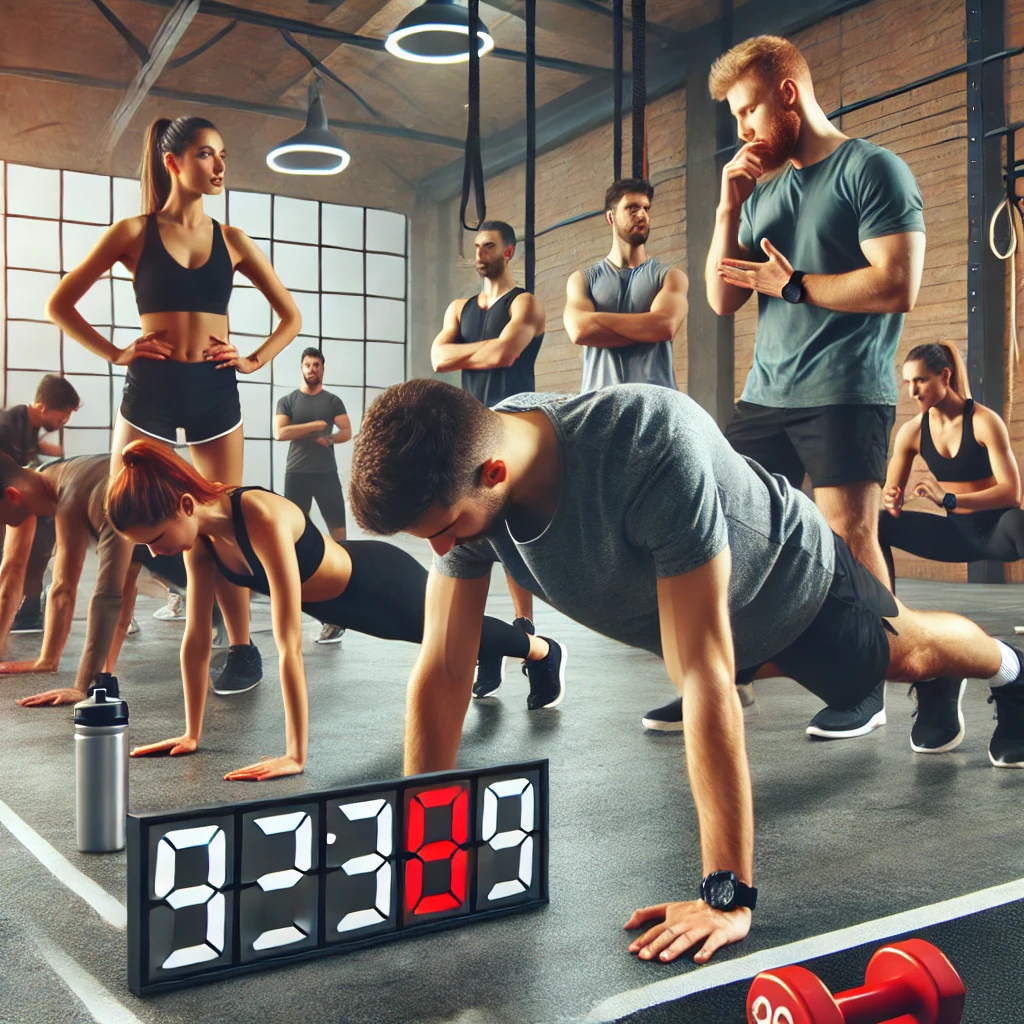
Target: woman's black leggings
385, 597
996, 534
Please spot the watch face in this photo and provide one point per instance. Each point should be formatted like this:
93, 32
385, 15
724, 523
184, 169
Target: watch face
721, 892
791, 292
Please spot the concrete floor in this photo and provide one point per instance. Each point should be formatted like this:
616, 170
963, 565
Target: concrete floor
879, 829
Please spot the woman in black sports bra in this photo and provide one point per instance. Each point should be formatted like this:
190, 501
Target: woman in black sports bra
260, 540
967, 449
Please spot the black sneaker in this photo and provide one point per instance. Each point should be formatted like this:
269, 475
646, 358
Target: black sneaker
243, 669
939, 718
665, 719
862, 718
29, 618
1006, 749
490, 674
104, 681
547, 677
525, 624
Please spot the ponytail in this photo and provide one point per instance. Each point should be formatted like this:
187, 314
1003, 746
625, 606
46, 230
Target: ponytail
149, 488
165, 136
943, 355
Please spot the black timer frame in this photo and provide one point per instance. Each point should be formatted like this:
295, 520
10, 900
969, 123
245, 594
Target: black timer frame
141, 853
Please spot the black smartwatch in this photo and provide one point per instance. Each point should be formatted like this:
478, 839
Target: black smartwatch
722, 890
793, 290
949, 501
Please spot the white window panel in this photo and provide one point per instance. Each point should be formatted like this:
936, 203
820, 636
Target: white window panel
86, 442
343, 362
385, 320
385, 275
296, 265
95, 395
342, 225
256, 455
249, 312
122, 337
33, 346
87, 197
127, 198
27, 293
385, 231
295, 220
343, 316
96, 305
370, 395
33, 244
255, 399
385, 364
78, 242
246, 345
353, 399
216, 207
78, 359
309, 307
343, 452
250, 211
21, 387
126, 312
341, 270
33, 191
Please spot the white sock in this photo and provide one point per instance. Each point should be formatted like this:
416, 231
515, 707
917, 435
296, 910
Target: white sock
1009, 670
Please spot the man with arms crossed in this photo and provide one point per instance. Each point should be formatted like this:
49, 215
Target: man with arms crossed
625, 310
494, 338
314, 421
833, 245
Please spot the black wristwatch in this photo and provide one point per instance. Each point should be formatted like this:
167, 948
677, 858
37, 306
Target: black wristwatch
949, 501
722, 890
793, 290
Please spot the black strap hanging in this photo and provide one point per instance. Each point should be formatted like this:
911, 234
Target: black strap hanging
473, 169
531, 136
617, 86
639, 14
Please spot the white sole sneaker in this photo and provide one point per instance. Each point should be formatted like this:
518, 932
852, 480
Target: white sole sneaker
848, 734
501, 682
956, 740
561, 679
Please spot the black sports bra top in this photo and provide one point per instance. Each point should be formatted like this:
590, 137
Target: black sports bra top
309, 550
163, 285
971, 461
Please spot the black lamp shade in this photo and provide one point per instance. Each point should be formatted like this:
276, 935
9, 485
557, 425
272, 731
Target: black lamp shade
314, 150
436, 32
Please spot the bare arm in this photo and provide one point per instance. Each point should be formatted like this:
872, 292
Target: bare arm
60, 603
50, 448
124, 620
906, 446
17, 548
342, 429
526, 321
446, 349
285, 430
442, 679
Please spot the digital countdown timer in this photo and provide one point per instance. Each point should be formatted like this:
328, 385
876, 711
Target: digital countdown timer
223, 890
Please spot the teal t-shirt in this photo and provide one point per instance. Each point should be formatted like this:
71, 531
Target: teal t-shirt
817, 216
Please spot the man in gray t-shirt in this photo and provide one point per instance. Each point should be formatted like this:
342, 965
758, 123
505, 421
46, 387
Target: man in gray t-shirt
627, 510
625, 310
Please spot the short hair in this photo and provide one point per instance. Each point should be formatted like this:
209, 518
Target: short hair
57, 393
507, 232
313, 353
10, 471
624, 187
772, 59
421, 444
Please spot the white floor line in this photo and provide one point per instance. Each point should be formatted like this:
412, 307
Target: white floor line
729, 971
105, 1009
111, 910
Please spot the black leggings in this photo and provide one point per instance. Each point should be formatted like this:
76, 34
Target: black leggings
996, 534
385, 597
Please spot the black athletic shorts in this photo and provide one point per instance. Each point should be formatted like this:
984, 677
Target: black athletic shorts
844, 653
833, 444
302, 488
161, 395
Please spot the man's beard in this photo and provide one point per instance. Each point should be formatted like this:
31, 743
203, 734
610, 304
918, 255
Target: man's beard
313, 380
634, 237
781, 144
493, 270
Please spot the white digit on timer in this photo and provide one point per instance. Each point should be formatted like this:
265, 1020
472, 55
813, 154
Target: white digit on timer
212, 837
381, 810
762, 1013
298, 822
496, 840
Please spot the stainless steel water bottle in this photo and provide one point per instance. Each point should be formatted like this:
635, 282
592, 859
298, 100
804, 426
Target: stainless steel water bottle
101, 772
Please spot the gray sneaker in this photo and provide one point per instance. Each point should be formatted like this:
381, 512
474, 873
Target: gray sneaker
243, 669
330, 634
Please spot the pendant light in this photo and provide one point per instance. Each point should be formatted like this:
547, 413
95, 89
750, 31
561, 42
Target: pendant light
314, 150
436, 32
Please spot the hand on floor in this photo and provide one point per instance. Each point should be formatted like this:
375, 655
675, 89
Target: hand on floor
50, 698
11, 668
682, 926
266, 768
174, 746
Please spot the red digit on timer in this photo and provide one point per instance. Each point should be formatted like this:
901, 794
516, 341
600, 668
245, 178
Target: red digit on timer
428, 851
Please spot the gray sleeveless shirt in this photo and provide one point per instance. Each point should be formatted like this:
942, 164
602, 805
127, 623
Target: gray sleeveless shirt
629, 290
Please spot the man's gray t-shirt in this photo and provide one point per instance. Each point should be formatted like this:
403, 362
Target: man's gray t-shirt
817, 216
626, 290
305, 455
650, 488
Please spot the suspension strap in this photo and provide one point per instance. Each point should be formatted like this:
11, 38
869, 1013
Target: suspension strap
531, 137
617, 87
639, 13
473, 169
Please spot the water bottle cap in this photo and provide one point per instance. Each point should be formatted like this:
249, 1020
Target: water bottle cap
97, 709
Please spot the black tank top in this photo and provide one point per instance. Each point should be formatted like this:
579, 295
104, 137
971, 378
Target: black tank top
494, 386
163, 285
309, 550
971, 461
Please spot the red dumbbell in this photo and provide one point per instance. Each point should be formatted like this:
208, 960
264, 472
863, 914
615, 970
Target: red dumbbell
909, 982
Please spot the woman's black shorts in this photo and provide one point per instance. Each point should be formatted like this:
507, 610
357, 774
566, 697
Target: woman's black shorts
161, 395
